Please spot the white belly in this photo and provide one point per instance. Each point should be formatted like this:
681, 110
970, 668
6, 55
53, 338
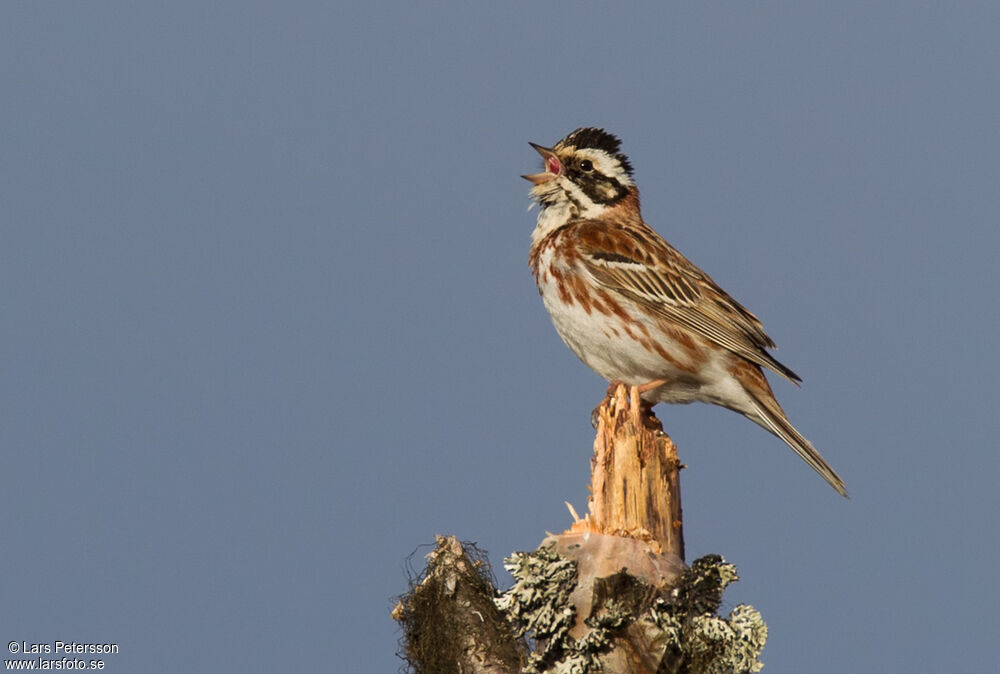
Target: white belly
615, 350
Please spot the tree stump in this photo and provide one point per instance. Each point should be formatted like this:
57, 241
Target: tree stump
631, 541
611, 594
635, 477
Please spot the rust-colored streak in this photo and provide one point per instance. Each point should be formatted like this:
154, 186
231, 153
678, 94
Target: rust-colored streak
626, 211
751, 376
580, 292
666, 355
694, 347
615, 308
562, 286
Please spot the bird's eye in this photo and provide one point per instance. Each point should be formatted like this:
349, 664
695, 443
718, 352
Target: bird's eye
587, 165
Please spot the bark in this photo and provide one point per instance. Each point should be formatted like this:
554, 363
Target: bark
450, 621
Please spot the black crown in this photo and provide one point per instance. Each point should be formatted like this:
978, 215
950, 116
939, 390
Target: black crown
598, 139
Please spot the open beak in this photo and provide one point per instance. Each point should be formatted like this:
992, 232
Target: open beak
553, 167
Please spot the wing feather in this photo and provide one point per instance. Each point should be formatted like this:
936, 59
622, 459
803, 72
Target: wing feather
657, 276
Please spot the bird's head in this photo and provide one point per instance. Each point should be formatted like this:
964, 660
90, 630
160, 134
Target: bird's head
585, 172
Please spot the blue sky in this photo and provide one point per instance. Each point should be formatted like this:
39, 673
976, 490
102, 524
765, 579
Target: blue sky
269, 326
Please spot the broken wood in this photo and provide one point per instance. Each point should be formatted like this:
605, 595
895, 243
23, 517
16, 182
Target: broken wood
635, 476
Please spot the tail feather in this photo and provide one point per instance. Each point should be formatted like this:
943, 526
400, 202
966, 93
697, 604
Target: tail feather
768, 414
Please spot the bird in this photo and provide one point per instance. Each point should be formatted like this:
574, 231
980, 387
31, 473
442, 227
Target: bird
633, 308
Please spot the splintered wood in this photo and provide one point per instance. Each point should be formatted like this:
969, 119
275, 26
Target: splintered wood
634, 481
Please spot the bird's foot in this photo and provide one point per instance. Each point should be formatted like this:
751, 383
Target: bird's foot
643, 409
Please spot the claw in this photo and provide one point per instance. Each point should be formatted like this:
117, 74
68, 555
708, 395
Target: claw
643, 410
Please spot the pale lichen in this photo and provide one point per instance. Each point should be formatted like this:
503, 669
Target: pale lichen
538, 605
700, 640
683, 625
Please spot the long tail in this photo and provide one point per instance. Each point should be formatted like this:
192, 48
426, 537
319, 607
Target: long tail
768, 413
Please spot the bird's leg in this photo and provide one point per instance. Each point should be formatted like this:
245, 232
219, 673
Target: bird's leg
645, 407
650, 385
